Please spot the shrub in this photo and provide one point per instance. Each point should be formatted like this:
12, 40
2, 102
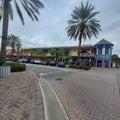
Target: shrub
15, 66
84, 67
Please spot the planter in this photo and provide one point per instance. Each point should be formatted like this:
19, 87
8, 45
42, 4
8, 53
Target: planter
4, 71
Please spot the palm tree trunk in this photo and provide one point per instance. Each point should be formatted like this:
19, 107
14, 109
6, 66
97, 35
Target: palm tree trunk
79, 47
12, 54
4, 31
17, 53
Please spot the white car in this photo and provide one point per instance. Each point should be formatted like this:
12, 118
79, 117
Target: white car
24, 60
37, 61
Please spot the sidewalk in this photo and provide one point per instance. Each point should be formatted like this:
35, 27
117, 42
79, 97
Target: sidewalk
21, 98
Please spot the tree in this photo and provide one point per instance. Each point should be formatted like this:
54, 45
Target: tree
52, 51
83, 25
31, 7
15, 43
39, 52
61, 52
18, 47
115, 59
32, 52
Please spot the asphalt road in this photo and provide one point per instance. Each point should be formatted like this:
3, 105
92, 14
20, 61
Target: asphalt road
49, 72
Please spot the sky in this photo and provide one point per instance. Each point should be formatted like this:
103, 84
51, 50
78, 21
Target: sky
50, 31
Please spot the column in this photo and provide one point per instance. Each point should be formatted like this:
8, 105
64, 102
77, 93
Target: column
96, 51
109, 63
103, 63
96, 63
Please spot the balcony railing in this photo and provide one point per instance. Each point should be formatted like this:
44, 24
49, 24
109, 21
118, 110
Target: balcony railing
87, 54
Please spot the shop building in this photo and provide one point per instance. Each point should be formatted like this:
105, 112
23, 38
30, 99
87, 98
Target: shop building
103, 54
99, 55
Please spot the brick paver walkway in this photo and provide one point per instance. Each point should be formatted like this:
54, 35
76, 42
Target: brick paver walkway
20, 98
90, 95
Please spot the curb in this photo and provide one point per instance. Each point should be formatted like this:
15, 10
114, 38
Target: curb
53, 108
118, 82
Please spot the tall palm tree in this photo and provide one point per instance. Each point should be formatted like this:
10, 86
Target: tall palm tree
32, 8
83, 24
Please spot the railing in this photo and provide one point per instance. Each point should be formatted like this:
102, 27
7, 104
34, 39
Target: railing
87, 54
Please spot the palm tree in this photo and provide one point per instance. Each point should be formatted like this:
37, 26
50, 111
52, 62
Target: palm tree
18, 47
15, 43
61, 52
32, 8
83, 24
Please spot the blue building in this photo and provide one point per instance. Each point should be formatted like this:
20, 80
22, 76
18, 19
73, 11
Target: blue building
103, 56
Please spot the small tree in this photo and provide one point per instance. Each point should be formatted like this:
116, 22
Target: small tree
15, 43
39, 52
115, 59
18, 47
52, 51
61, 52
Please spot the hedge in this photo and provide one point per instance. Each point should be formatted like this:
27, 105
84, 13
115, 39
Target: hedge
15, 66
84, 67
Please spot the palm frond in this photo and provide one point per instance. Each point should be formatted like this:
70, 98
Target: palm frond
31, 7
10, 11
83, 24
37, 3
27, 9
19, 12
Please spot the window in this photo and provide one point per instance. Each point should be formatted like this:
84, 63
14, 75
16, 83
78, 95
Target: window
100, 51
106, 51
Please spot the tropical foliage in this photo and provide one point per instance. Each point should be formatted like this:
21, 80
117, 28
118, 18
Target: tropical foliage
116, 59
83, 24
31, 7
61, 52
84, 67
15, 43
52, 51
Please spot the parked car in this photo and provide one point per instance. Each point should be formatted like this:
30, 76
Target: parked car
44, 62
31, 61
7, 59
61, 64
52, 63
37, 61
23, 60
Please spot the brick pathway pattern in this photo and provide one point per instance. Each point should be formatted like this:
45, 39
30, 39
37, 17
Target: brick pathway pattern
90, 95
20, 98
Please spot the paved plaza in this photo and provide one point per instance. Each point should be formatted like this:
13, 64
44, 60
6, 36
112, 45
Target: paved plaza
85, 95
20, 98
90, 95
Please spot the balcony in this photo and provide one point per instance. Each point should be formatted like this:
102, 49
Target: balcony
87, 54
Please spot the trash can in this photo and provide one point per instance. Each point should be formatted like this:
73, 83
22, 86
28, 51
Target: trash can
4, 71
